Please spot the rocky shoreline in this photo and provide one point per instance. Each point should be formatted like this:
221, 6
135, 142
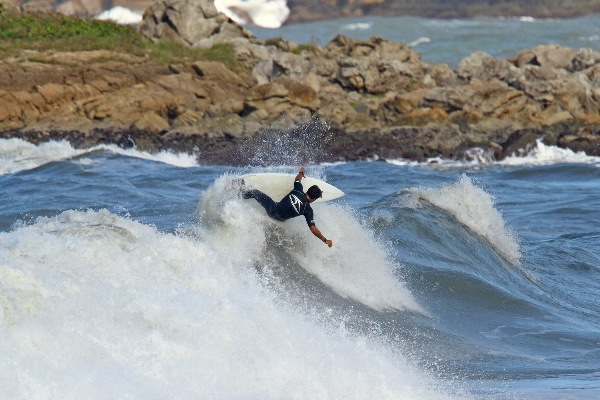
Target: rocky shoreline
350, 100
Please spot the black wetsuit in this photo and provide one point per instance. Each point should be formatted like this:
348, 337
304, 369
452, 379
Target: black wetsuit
292, 205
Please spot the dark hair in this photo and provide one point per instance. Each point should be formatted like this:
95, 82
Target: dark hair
314, 192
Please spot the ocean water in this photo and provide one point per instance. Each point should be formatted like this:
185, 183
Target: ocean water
126, 275
444, 41
450, 41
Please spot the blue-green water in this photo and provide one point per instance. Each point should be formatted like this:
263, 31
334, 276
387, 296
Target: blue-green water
449, 41
130, 276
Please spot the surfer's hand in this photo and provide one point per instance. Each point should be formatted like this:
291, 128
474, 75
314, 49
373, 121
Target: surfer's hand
329, 242
300, 174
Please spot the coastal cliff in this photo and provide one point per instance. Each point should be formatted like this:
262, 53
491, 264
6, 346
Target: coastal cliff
353, 99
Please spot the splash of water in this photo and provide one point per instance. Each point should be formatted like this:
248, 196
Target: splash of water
265, 13
299, 144
357, 267
18, 155
97, 306
120, 15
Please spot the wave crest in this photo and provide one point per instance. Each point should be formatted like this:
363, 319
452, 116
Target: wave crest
356, 267
475, 208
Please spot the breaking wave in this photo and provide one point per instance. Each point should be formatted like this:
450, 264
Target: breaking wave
18, 155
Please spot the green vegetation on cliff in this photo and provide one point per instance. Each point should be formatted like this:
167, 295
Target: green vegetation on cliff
60, 33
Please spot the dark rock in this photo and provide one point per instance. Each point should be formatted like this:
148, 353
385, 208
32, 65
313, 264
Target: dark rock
520, 143
586, 140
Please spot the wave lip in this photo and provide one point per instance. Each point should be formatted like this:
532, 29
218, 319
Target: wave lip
18, 155
474, 208
357, 267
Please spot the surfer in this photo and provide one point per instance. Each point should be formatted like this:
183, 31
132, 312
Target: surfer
295, 203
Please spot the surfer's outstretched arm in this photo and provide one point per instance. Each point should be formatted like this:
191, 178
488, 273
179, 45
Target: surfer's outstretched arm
318, 234
300, 174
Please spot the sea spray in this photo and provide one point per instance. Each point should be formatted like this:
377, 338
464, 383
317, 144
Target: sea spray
265, 13
357, 266
287, 144
18, 155
120, 15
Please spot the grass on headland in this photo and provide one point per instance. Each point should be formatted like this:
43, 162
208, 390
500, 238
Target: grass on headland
60, 33
284, 45
311, 48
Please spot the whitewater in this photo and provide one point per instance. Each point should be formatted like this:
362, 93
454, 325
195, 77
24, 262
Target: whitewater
127, 275
131, 312
95, 304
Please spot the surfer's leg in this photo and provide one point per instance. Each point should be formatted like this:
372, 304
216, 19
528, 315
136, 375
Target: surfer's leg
263, 199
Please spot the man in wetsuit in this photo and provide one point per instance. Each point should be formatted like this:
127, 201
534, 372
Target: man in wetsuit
295, 203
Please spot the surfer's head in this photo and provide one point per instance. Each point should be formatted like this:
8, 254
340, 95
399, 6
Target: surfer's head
313, 193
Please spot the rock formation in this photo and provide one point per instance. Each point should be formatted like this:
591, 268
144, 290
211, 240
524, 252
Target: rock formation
194, 23
376, 97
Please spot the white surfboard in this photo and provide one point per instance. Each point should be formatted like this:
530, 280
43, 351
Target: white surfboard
277, 185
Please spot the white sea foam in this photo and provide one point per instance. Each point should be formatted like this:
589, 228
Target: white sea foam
526, 19
474, 207
121, 15
590, 38
18, 155
358, 26
546, 155
95, 306
540, 155
419, 41
265, 13
182, 160
473, 157
356, 267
